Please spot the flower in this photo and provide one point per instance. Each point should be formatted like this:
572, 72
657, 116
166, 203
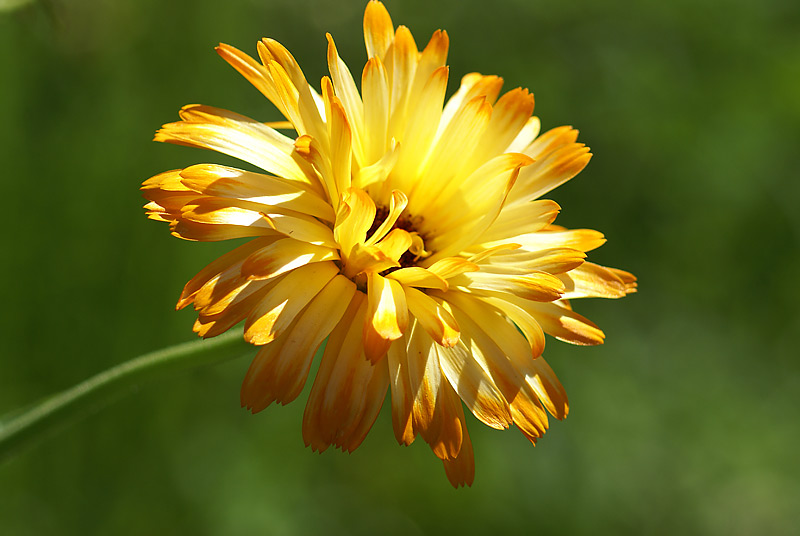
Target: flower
406, 230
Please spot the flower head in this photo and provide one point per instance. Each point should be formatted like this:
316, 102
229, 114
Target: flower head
404, 228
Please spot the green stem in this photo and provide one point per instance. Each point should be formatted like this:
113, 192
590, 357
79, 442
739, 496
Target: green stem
25, 426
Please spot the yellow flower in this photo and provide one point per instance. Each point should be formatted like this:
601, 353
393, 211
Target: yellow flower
405, 229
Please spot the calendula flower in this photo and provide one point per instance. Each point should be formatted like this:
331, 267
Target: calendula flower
405, 229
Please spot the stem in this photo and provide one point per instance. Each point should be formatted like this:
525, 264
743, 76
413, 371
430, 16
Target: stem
26, 426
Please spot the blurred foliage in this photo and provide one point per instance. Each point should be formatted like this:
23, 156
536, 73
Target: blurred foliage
685, 421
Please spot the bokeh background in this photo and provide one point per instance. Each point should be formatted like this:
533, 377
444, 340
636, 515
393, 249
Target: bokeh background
685, 421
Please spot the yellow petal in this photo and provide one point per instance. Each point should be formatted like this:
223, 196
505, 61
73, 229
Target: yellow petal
432, 317
521, 261
534, 372
558, 158
221, 181
420, 131
524, 321
341, 137
222, 312
303, 228
461, 469
538, 286
205, 232
255, 73
402, 395
233, 258
509, 115
595, 281
397, 205
475, 386
347, 91
216, 211
525, 136
580, 239
348, 390
378, 29
452, 266
446, 159
562, 323
401, 64
425, 378
463, 201
433, 57
375, 90
280, 369
415, 276
282, 305
355, 217
377, 172
527, 412
283, 256
238, 136
387, 312
520, 219
395, 244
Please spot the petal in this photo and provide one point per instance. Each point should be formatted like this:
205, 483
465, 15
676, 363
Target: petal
463, 201
539, 286
452, 266
283, 256
395, 244
240, 137
280, 369
563, 323
204, 232
341, 137
233, 258
521, 261
415, 276
401, 64
509, 115
347, 91
303, 228
355, 217
473, 85
256, 74
420, 130
506, 337
402, 395
446, 159
225, 311
461, 469
387, 315
580, 239
433, 58
525, 136
478, 321
348, 391
558, 159
378, 171
397, 205
595, 281
425, 378
378, 29
432, 317
475, 386
230, 183
375, 90
524, 321
519, 219
284, 302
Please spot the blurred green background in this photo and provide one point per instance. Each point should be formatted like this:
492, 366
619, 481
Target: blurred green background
685, 421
